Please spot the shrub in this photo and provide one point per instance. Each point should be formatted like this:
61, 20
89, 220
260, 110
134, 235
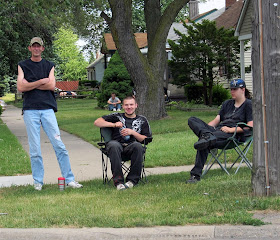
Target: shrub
220, 94
116, 79
1, 110
194, 93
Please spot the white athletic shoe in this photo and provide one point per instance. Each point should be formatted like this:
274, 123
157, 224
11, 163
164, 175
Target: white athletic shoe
129, 184
120, 187
74, 184
38, 186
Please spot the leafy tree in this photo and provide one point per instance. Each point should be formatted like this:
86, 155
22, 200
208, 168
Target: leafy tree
116, 79
71, 63
20, 20
198, 56
147, 72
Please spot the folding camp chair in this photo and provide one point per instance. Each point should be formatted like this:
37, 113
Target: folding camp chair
106, 136
233, 143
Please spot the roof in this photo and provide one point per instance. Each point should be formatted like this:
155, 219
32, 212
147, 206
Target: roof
67, 85
241, 17
96, 61
141, 40
202, 15
210, 15
229, 18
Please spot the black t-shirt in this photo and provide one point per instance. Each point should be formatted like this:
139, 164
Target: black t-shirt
139, 124
37, 99
230, 115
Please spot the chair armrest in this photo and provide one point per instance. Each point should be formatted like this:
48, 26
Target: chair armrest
147, 140
101, 144
242, 125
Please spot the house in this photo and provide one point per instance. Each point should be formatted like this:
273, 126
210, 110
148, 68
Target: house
244, 33
96, 69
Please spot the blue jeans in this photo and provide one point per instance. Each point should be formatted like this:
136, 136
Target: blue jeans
112, 106
33, 120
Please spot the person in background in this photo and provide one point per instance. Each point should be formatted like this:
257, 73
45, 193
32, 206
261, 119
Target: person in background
114, 103
37, 81
215, 133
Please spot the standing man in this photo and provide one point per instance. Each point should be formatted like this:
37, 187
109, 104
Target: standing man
114, 103
215, 133
129, 130
36, 80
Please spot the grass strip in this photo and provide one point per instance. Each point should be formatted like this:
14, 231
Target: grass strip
13, 158
164, 200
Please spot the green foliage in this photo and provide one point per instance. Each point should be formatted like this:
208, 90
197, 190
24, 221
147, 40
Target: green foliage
19, 22
7, 84
138, 18
116, 79
1, 109
198, 55
194, 92
220, 94
71, 63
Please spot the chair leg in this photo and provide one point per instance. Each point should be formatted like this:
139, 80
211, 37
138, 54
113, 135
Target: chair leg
242, 154
216, 159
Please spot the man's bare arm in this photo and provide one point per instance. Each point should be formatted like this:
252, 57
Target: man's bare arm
25, 86
51, 84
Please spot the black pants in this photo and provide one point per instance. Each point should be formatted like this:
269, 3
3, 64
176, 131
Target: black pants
134, 151
199, 127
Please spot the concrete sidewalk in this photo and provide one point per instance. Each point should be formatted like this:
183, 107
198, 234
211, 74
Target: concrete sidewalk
267, 232
85, 158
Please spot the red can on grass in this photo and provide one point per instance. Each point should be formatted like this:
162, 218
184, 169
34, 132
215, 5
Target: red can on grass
61, 183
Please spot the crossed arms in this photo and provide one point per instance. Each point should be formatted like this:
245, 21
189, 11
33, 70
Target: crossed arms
43, 84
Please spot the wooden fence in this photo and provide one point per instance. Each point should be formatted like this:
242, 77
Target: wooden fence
89, 92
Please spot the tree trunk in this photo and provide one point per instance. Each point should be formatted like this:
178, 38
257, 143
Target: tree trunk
147, 73
266, 181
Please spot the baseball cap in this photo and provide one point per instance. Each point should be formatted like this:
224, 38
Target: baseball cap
36, 40
237, 83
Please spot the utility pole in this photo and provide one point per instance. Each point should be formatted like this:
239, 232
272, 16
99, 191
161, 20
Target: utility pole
266, 97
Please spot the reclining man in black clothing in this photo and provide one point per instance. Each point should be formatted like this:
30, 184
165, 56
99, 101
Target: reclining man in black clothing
213, 135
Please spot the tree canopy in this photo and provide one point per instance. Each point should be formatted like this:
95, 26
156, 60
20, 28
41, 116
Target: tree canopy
147, 73
205, 53
71, 63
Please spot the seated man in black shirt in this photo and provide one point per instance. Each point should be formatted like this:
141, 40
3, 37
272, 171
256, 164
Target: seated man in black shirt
213, 135
129, 130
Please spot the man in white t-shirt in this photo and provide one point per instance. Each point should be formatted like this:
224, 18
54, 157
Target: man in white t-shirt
114, 103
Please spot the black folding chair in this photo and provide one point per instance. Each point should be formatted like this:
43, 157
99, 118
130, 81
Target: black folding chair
106, 136
240, 146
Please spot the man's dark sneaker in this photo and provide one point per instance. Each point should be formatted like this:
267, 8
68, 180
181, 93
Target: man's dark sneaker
205, 141
193, 179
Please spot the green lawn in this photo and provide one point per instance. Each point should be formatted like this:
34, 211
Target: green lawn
13, 159
164, 200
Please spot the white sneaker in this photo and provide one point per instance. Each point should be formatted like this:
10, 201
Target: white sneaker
118, 110
120, 187
114, 109
38, 186
129, 184
74, 184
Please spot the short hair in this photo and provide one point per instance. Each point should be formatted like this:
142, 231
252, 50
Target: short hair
129, 98
113, 93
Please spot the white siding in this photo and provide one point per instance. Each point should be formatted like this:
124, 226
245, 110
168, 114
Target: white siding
246, 27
